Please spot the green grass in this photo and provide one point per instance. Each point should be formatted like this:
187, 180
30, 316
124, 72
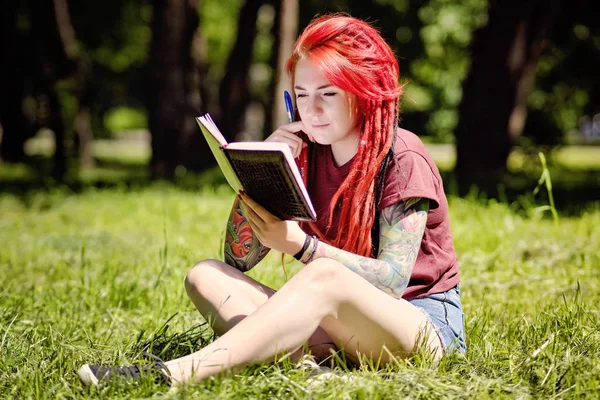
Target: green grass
97, 275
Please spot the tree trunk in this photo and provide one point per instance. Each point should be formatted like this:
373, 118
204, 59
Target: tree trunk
194, 153
14, 126
170, 113
492, 113
285, 30
83, 127
82, 124
233, 92
54, 61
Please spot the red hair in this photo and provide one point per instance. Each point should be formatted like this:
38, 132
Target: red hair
354, 57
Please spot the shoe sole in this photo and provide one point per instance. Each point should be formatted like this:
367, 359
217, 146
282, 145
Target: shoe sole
87, 376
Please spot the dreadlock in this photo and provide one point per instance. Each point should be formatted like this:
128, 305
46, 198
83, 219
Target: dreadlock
355, 58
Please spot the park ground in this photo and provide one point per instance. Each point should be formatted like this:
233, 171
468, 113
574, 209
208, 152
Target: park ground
93, 272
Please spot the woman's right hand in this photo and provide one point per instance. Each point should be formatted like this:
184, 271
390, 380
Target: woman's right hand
287, 134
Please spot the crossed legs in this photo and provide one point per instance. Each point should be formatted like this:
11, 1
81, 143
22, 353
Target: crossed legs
225, 296
323, 303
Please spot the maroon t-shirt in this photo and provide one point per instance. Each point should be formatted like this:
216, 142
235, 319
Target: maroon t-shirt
415, 175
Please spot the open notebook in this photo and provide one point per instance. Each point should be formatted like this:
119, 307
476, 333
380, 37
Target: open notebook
266, 171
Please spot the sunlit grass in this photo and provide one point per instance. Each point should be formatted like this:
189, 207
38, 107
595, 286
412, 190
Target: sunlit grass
97, 275
91, 277
127, 151
578, 157
123, 151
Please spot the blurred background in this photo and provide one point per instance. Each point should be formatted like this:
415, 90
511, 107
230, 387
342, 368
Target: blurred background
101, 93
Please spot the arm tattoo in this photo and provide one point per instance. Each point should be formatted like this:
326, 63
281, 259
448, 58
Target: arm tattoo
241, 249
401, 229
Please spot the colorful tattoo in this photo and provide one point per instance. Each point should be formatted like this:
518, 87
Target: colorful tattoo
401, 229
241, 249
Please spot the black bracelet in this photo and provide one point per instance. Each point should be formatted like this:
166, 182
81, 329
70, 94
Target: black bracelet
299, 254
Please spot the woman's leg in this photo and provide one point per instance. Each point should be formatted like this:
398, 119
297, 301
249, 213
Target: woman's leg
360, 318
224, 296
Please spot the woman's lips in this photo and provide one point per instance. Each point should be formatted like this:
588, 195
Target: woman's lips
319, 126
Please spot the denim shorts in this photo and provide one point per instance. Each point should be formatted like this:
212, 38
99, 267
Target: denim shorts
444, 311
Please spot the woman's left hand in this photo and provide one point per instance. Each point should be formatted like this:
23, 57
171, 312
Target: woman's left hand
284, 236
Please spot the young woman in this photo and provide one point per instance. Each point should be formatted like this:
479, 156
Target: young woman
381, 276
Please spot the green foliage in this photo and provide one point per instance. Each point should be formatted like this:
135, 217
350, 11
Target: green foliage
124, 119
437, 77
431, 40
566, 87
112, 47
114, 36
261, 73
218, 25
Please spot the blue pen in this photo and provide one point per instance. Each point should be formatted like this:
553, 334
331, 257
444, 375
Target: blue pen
303, 157
288, 105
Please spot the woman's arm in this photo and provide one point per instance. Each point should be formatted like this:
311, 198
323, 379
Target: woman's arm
401, 228
241, 249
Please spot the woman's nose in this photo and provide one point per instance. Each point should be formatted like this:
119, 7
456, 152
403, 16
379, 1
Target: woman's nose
313, 106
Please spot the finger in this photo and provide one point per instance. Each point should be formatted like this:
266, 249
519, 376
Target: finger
261, 212
295, 142
304, 130
291, 139
296, 149
295, 145
297, 127
250, 213
255, 229
283, 135
304, 144
293, 127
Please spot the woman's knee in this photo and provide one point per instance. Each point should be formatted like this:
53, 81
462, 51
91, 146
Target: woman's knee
203, 274
323, 274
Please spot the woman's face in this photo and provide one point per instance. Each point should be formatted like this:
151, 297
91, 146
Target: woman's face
328, 112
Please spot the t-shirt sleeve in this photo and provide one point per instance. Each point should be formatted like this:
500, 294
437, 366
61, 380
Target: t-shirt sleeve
410, 177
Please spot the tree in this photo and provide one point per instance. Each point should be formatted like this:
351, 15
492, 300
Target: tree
492, 113
12, 81
567, 88
234, 93
169, 87
174, 97
78, 71
284, 30
52, 56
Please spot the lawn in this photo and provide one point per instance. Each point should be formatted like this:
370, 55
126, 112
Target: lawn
96, 276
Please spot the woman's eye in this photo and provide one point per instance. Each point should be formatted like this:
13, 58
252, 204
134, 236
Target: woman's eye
329, 94
299, 95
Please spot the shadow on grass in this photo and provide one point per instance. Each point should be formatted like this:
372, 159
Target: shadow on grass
25, 180
573, 190
168, 345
